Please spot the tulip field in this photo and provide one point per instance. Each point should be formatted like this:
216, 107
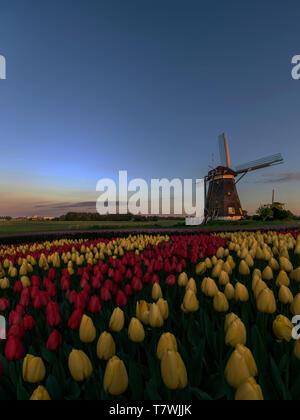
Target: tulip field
151, 317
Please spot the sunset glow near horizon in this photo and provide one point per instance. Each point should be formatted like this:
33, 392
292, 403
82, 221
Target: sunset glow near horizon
96, 87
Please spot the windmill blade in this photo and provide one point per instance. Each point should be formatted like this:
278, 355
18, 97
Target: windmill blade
259, 164
224, 151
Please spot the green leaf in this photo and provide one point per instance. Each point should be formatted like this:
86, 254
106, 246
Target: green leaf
151, 390
54, 389
136, 381
201, 395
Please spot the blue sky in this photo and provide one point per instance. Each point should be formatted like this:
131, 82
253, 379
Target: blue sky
94, 87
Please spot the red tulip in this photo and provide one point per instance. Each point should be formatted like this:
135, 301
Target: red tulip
17, 331
52, 274
128, 290
4, 305
20, 309
29, 323
105, 294
95, 305
72, 297
118, 278
54, 341
52, 290
114, 289
13, 349
53, 316
171, 280
15, 318
35, 281
75, 319
18, 287
121, 298
65, 284
136, 284
25, 297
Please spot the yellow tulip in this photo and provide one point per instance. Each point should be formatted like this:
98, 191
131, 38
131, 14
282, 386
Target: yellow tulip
265, 302
229, 291
182, 279
40, 394
115, 378
163, 307
201, 268
236, 333
230, 318
223, 278
260, 285
285, 296
240, 367
33, 370
25, 281
190, 302
282, 279
209, 287
80, 365
285, 264
244, 269
87, 330
4, 283
282, 328
117, 320
173, 370
220, 302
155, 317
267, 274
156, 291
166, 342
295, 306
106, 347
136, 332
241, 293
142, 311
192, 285
249, 391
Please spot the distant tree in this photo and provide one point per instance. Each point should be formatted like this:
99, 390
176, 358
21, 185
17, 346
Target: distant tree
265, 213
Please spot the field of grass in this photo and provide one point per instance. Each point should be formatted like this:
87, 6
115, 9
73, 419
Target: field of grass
22, 227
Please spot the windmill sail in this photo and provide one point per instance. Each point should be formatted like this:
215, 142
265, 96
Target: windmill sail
224, 151
259, 163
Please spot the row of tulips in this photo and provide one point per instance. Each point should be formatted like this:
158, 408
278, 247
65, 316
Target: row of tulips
151, 317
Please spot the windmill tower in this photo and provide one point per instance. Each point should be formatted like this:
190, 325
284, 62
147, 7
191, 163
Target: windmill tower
222, 201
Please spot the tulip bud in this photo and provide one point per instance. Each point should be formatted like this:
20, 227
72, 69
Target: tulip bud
265, 302
192, 285
156, 291
244, 268
182, 279
201, 268
142, 311
87, 330
80, 365
223, 278
240, 367
285, 264
229, 291
230, 318
241, 293
282, 279
217, 270
166, 342
282, 328
40, 394
115, 378
33, 369
295, 306
209, 287
267, 274
236, 333
220, 302
163, 307
106, 347
285, 296
136, 332
249, 391
190, 302
173, 370
155, 317
117, 320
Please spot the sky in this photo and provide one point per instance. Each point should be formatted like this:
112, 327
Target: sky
95, 87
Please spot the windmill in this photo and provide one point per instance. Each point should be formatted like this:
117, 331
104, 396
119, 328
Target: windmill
222, 200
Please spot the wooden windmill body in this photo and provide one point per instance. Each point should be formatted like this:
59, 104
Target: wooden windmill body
221, 197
